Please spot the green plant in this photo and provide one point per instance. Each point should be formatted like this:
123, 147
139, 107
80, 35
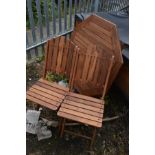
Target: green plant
40, 58
107, 99
50, 77
53, 77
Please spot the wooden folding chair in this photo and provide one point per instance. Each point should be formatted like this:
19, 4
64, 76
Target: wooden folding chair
43, 92
81, 108
91, 72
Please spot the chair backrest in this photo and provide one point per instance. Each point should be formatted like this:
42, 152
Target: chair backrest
58, 56
90, 69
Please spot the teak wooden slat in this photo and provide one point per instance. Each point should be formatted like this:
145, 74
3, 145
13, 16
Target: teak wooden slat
73, 107
42, 103
50, 88
69, 59
92, 67
60, 54
82, 105
94, 28
55, 54
81, 114
47, 100
83, 97
65, 55
50, 53
86, 102
97, 39
54, 85
79, 119
86, 65
38, 88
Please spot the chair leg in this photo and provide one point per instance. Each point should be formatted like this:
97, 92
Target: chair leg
93, 137
59, 125
62, 127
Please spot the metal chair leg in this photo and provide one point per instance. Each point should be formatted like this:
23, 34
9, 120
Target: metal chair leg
93, 137
62, 127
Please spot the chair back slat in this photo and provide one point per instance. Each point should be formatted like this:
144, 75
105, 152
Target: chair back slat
50, 53
73, 68
60, 54
86, 64
65, 56
91, 72
69, 58
55, 54
97, 70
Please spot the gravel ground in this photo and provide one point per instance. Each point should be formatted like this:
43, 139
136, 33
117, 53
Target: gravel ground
111, 139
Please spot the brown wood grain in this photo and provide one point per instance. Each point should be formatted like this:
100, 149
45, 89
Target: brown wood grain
97, 38
80, 96
47, 95
65, 56
50, 53
60, 54
50, 92
80, 109
53, 106
81, 114
86, 102
53, 85
55, 54
86, 64
84, 106
92, 67
52, 88
73, 68
69, 60
107, 25
79, 119
104, 34
43, 98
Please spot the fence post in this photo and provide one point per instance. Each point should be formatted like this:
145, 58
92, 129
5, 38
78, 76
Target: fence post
96, 5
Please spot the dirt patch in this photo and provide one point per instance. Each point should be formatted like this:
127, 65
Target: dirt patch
111, 139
